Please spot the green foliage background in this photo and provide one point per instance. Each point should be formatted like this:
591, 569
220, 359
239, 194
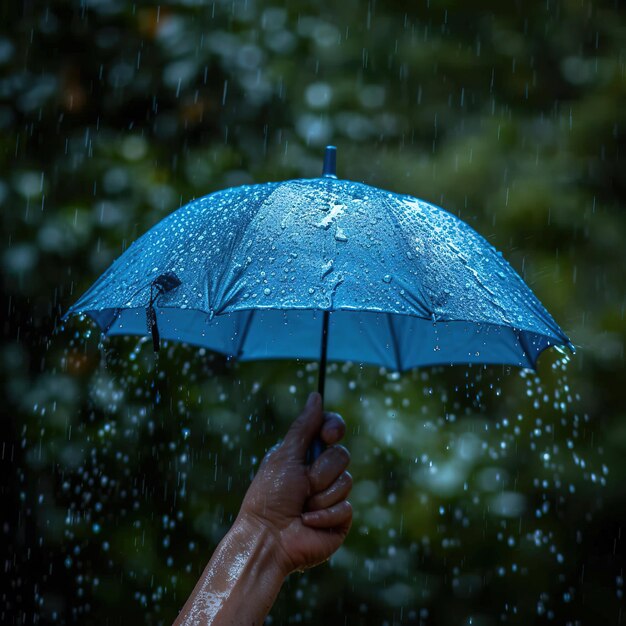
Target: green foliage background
481, 496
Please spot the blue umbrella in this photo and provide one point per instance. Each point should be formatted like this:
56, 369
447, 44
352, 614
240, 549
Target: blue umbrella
266, 271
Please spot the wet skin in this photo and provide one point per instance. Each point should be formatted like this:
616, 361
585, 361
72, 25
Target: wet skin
293, 516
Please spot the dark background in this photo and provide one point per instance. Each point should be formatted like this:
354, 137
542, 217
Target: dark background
482, 495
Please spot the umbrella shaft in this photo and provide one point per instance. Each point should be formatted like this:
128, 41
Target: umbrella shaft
321, 381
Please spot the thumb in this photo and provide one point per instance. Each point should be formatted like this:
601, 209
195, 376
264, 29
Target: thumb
305, 427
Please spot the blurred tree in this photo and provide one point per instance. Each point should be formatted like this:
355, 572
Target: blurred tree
482, 495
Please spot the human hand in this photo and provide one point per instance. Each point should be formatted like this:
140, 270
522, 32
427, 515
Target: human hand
304, 507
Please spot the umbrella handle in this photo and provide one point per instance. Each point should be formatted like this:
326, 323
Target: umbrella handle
315, 450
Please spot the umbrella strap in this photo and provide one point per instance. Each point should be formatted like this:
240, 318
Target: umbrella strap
163, 283
151, 317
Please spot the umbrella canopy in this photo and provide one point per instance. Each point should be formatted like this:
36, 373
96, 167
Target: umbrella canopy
254, 271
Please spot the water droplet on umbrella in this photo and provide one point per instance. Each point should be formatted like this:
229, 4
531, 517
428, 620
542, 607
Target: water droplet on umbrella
327, 268
387, 278
340, 235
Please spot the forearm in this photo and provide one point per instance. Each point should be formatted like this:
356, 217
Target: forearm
240, 583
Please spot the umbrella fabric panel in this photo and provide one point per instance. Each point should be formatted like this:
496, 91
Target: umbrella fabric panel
320, 244
398, 342
463, 276
222, 334
422, 342
352, 336
282, 335
195, 243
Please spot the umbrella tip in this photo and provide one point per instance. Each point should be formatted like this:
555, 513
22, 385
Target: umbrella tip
330, 162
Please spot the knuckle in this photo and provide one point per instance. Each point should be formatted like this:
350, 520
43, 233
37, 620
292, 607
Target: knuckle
334, 419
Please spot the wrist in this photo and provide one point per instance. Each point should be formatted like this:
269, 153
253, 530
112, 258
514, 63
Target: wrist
267, 543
